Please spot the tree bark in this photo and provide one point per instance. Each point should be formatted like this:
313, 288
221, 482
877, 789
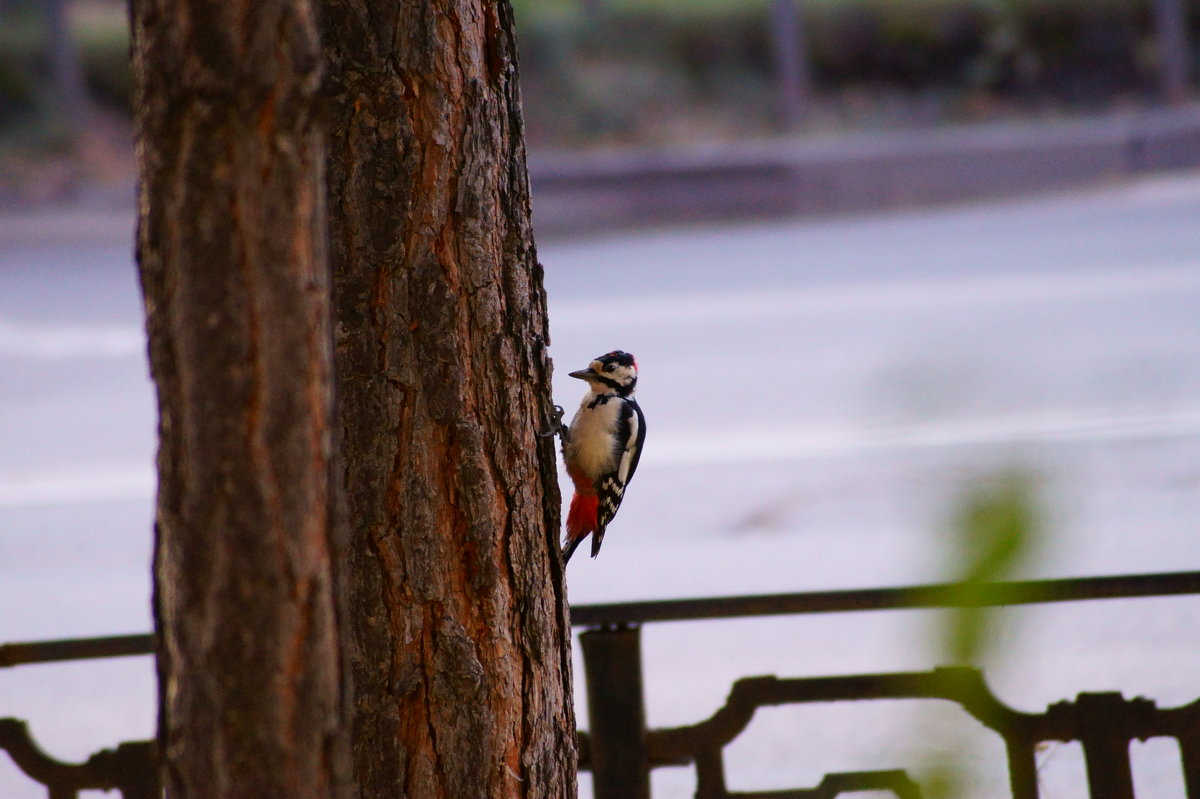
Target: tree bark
232, 256
460, 654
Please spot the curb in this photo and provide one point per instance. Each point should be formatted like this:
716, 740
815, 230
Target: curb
575, 192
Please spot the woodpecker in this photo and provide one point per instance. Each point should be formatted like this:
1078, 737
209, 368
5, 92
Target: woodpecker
602, 447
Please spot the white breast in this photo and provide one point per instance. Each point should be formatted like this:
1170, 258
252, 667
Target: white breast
590, 447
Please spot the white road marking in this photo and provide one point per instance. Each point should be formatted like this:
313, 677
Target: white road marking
57, 342
98, 483
124, 481
790, 443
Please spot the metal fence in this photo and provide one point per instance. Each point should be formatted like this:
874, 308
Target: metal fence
621, 752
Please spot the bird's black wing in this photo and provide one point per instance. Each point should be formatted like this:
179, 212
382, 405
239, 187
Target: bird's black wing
639, 439
631, 429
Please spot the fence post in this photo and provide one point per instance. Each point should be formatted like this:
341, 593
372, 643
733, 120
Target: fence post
66, 71
1170, 25
1022, 767
1103, 721
1189, 751
792, 69
612, 661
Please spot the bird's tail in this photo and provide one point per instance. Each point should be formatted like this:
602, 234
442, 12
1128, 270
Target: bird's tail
581, 520
570, 548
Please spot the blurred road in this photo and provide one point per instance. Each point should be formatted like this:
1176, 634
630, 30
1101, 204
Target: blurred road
817, 393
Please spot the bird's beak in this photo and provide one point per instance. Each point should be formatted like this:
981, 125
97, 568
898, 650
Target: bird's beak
583, 374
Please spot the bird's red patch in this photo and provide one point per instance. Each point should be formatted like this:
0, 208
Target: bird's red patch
581, 519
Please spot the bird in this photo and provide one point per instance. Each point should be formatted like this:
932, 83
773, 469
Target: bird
602, 447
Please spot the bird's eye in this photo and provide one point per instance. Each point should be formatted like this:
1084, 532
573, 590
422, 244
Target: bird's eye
609, 367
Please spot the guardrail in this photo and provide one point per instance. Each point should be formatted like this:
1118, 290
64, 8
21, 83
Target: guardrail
620, 752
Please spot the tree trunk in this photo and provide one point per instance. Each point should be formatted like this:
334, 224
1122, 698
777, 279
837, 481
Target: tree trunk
460, 653
231, 248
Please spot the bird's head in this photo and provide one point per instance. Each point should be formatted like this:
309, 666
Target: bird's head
615, 372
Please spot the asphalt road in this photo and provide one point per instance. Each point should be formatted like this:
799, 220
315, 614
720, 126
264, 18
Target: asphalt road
818, 393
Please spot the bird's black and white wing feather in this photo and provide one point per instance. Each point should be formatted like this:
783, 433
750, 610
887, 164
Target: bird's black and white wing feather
631, 434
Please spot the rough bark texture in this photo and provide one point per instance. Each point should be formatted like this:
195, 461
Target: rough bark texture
461, 644
231, 247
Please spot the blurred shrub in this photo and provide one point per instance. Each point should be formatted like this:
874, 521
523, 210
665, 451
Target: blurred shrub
598, 70
996, 534
101, 31
20, 42
620, 67
918, 44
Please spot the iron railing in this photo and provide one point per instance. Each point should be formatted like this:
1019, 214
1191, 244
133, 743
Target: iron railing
621, 752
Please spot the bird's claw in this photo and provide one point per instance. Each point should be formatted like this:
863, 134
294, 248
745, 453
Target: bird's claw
557, 428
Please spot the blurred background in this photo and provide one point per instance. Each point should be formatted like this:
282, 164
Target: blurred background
603, 73
869, 254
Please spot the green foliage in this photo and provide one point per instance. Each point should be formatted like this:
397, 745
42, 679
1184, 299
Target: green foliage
995, 535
